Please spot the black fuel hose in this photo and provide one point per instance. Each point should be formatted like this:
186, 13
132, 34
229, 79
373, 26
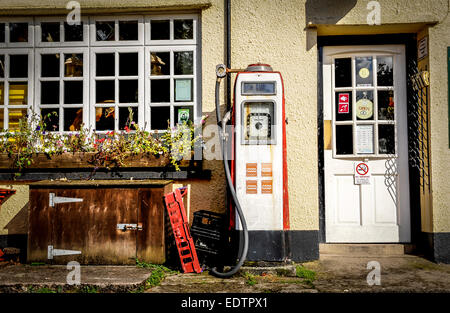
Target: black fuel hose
223, 144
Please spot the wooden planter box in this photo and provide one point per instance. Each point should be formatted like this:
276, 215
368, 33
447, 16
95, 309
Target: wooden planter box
84, 160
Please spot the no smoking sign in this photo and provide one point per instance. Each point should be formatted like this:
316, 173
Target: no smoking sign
362, 173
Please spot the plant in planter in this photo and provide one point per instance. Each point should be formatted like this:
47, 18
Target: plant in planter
112, 149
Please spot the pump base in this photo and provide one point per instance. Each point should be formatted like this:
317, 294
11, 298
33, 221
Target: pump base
279, 246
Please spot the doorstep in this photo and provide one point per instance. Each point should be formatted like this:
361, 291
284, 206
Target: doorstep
373, 249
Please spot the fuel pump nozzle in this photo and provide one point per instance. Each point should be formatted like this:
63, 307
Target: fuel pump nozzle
221, 72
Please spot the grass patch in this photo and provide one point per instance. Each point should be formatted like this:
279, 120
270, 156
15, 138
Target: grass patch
32, 289
159, 273
250, 279
37, 263
307, 275
88, 289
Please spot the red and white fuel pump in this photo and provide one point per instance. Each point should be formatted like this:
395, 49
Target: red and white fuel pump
258, 177
259, 164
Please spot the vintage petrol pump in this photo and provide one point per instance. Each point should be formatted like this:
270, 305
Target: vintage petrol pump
258, 177
259, 167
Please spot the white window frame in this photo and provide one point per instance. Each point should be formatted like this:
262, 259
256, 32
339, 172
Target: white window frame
172, 104
93, 77
354, 89
6, 80
116, 20
85, 79
88, 47
9, 44
171, 19
62, 42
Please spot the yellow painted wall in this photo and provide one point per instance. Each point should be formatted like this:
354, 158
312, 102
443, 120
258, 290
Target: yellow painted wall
276, 32
440, 152
13, 213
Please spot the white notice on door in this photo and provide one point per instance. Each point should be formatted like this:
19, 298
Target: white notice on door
362, 173
364, 139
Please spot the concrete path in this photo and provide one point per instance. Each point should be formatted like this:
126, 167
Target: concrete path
42, 278
332, 273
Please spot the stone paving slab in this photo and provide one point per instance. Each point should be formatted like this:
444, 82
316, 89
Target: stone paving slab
16, 278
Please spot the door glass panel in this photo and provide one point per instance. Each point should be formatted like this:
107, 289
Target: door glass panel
50, 32
160, 117
104, 118
364, 139
386, 139
183, 114
73, 92
73, 32
128, 91
2, 93
160, 90
128, 30
14, 116
105, 31
160, 63
125, 117
160, 30
183, 29
128, 64
183, 90
50, 117
50, 92
18, 66
105, 91
18, 93
364, 71
386, 105
364, 105
2, 118
344, 139
73, 118
184, 63
343, 72
105, 64
344, 106
385, 71
2, 66
73, 65
50, 65
18, 32
2, 32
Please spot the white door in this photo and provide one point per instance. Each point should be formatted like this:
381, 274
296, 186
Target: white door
364, 91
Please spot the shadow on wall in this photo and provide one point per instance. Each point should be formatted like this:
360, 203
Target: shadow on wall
327, 11
18, 225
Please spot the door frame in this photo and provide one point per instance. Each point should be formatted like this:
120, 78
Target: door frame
410, 43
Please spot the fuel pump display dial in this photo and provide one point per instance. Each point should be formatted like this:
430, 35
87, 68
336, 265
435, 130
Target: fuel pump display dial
258, 122
258, 126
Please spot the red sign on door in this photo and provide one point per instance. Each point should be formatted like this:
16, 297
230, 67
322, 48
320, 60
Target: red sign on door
344, 100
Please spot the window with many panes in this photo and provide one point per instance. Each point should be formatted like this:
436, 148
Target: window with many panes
104, 72
364, 106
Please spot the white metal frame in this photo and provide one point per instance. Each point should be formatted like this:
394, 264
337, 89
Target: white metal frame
93, 78
116, 20
171, 19
354, 89
148, 77
7, 43
62, 42
7, 80
89, 46
61, 79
